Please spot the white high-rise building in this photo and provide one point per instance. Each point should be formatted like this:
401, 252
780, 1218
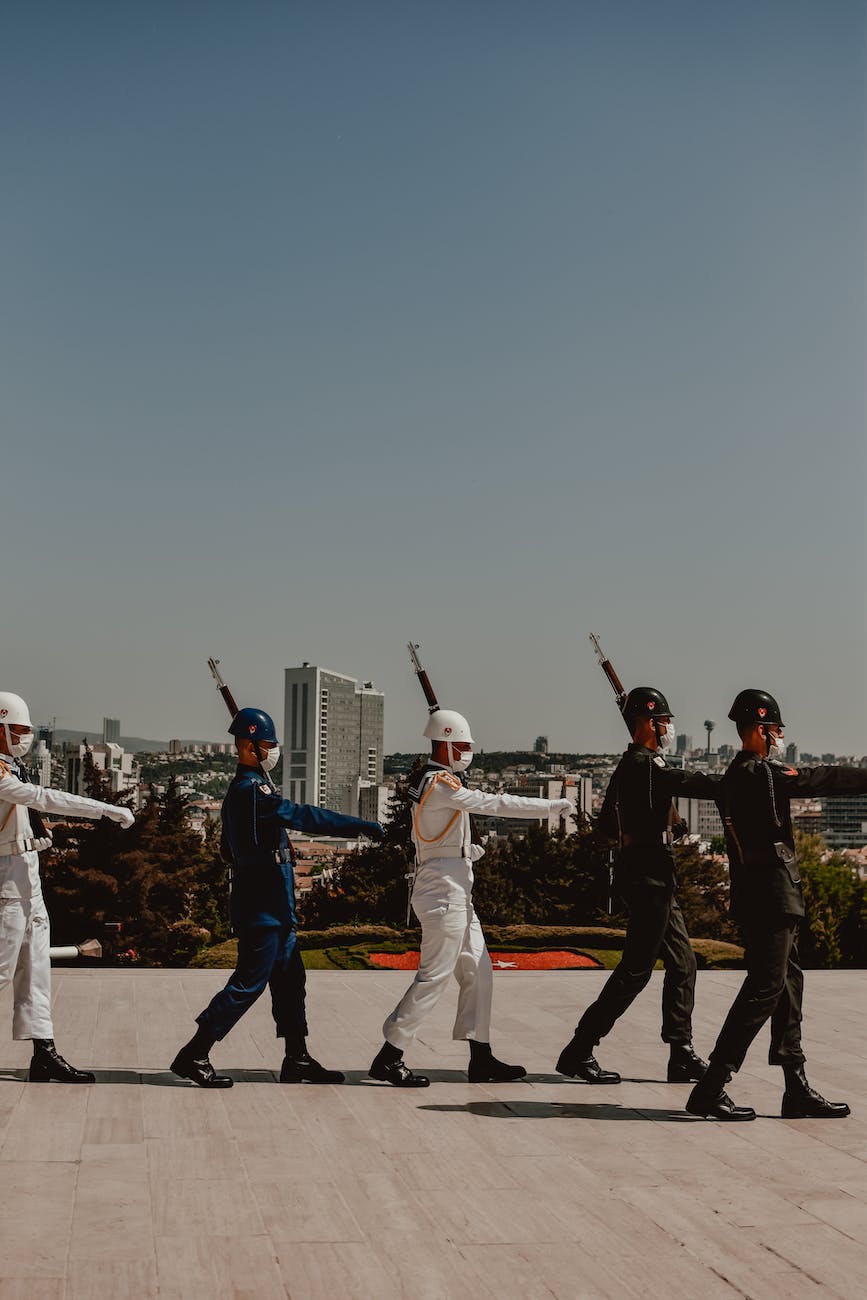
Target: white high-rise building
332, 736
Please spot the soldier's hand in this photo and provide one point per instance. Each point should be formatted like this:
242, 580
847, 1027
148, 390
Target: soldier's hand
122, 815
375, 831
563, 807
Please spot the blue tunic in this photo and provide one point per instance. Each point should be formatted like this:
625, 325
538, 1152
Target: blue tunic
256, 844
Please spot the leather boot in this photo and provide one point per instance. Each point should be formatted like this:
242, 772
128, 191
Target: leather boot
800, 1101
710, 1100
684, 1064
301, 1068
577, 1062
47, 1064
388, 1067
198, 1071
485, 1068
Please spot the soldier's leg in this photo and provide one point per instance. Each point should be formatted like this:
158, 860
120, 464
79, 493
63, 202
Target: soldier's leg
442, 935
288, 988
288, 983
16, 968
649, 911
785, 1046
767, 950
800, 1101
678, 986
475, 975
258, 948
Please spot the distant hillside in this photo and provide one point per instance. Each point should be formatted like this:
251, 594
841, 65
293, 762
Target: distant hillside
137, 744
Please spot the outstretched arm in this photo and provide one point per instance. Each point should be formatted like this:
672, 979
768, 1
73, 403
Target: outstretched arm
447, 792
312, 820
59, 802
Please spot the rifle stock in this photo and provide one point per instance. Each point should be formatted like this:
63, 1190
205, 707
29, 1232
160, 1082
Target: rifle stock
421, 674
608, 669
227, 695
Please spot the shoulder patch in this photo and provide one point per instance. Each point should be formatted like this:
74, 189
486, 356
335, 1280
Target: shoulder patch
660, 762
449, 778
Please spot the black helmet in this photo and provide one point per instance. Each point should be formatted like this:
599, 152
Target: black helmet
645, 702
755, 706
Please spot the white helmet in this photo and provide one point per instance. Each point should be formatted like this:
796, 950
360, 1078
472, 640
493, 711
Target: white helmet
453, 729
15, 713
446, 724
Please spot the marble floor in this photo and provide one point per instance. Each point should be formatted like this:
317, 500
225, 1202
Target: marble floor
144, 1186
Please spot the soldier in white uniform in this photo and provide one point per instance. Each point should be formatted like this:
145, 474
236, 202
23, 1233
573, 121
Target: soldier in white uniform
452, 942
24, 925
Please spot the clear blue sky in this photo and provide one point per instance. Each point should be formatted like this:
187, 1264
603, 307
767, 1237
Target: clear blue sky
490, 324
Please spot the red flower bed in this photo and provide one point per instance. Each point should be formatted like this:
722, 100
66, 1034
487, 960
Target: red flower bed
501, 960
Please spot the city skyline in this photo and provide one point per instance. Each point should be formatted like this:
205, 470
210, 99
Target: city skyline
329, 326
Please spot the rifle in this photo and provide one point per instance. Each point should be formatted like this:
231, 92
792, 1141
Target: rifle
424, 680
227, 695
608, 669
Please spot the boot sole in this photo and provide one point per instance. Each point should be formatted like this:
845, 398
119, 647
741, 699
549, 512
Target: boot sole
49, 1078
722, 1119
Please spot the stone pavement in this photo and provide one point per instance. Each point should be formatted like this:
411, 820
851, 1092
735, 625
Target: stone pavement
144, 1186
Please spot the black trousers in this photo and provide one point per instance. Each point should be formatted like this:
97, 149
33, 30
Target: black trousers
267, 954
773, 990
656, 929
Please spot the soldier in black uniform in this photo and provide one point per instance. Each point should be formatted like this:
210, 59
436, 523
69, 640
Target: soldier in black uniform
638, 813
768, 902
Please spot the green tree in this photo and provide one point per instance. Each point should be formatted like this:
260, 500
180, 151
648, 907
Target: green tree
703, 894
834, 930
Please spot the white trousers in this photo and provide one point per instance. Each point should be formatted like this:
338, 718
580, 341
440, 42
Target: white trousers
25, 962
452, 944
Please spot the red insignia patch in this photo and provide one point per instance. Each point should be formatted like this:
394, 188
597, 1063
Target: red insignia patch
252, 728
3, 713
651, 704
762, 712
447, 731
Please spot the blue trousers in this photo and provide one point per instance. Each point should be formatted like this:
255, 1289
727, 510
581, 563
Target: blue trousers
267, 954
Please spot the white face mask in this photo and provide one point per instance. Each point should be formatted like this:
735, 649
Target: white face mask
668, 740
18, 746
778, 746
271, 759
460, 762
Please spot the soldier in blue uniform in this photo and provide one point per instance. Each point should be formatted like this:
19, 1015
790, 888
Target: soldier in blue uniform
262, 908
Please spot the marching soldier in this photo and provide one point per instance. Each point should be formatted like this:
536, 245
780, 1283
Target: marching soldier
768, 902
638, 812
452, 942
24, 925
262, 908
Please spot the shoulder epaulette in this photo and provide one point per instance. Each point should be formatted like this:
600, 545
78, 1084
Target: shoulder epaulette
450, 779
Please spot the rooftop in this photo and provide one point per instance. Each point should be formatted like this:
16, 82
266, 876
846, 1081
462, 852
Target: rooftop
144, 1186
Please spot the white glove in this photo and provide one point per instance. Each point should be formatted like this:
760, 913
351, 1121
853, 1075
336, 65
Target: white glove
122, 815
563, 807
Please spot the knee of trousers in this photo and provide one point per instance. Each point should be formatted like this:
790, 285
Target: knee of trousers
637, 979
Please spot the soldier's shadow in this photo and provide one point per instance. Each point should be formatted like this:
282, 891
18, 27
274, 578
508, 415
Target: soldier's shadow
561, 1110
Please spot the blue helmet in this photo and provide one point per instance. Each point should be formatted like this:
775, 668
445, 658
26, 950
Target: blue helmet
253, 724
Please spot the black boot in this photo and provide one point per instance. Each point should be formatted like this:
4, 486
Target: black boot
47, 1064
388, 1067
300, 1067
684, 1064
710, 1100
578, 1062
800, 1101
192, 1062
485, 1068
